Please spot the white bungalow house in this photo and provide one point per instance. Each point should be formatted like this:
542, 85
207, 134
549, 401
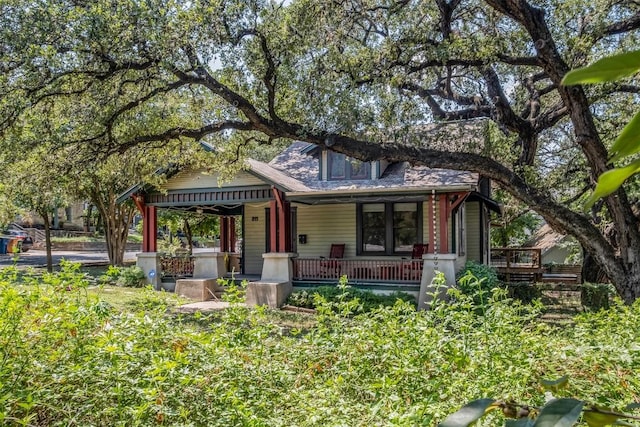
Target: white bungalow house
308, 200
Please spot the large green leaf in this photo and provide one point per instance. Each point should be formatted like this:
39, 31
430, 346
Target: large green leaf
628, 142
469, 413
632, 406
555, 385
559, 413
605, 70
610, 181
598, 419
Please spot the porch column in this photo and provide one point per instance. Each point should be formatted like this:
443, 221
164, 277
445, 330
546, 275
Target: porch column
149, 233
444, 223
432, 264
149, 224
432, 220
149, 262
273, 226
275, 284
224, 243
280, 221
231, 227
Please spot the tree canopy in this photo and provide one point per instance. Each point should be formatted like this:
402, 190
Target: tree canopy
358, 77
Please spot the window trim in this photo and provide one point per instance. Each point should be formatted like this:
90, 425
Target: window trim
348, 171
389, 244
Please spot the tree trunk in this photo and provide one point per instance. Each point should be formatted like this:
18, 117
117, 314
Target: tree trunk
115, 219
592, 271
188, 234
116, 232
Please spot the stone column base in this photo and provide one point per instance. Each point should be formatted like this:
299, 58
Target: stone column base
444, 263
273, 295
149, 262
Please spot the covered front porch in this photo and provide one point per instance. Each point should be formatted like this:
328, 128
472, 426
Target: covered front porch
286, 232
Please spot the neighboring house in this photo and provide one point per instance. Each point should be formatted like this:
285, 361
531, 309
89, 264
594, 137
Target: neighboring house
308, 199
555, 248
67, 218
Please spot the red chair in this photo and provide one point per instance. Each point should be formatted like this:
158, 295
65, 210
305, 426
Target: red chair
331, 267
413, 269
418, 250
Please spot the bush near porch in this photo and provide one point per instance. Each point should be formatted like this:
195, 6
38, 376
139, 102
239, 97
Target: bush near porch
69, 358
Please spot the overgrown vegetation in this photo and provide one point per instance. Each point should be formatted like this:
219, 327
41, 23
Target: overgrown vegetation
130, 277
364, 301
69, 358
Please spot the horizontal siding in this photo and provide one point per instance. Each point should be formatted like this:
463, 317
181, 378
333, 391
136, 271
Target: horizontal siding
324, 225
427, 224
254, 237
474, 240
201, 179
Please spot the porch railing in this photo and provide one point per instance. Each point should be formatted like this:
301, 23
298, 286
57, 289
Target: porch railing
517, 264
358, 270
176, 266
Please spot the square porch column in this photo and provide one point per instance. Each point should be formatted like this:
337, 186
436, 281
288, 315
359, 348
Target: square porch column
149, 262
209, 265
432, 263
275, 284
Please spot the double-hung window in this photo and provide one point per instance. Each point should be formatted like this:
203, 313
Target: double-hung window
388, 228
343, 167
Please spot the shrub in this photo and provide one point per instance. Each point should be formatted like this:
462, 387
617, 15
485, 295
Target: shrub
596, 296
525, 292
131, 277
485, 273
110, 277
366, 299
478, 281
68, 359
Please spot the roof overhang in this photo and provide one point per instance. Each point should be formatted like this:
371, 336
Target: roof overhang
490, 203
373, 194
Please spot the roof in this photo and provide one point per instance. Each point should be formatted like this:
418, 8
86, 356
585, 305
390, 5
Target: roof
296, 169
275, 176
545, 238
302, 164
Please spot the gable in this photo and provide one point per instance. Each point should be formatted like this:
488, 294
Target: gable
202, 179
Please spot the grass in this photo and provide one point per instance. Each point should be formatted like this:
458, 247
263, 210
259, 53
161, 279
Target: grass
132, 238
127, 299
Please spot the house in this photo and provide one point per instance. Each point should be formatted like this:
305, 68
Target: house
556, 248
293, 209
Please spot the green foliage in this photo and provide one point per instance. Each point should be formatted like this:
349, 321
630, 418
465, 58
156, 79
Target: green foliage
110, 276
68, 358
524, 292
596, 296
627, 144
477, 280
131, 277
556, 412
515, 225
367, 300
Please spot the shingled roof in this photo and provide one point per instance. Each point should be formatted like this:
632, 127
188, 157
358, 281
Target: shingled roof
302, 163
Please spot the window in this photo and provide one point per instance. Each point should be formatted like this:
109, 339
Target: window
342, 167
405, 226
388, 228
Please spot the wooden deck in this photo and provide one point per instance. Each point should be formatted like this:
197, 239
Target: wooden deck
524, 265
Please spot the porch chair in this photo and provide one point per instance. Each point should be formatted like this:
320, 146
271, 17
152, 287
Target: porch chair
331, 267
413, 269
